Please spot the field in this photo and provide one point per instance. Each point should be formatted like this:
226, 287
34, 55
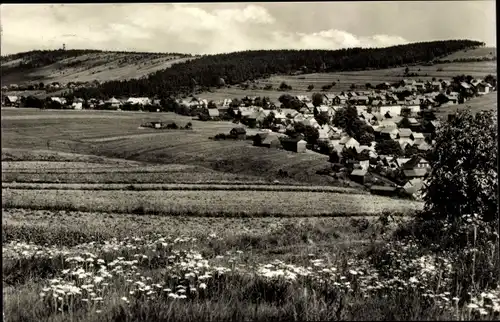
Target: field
116, 135
105, 221
485, 102
481, 52
93, 66
344, 80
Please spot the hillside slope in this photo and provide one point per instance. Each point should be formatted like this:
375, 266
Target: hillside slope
234, 68
65, 66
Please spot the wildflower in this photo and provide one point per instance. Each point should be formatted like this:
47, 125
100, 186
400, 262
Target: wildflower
98, 311
202, 286
472, 306
172, 295
352, 272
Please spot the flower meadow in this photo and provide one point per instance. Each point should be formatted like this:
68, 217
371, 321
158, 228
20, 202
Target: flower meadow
156, 277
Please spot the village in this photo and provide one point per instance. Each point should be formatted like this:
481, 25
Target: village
392, 125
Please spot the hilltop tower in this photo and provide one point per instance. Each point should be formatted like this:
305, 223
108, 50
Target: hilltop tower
64, 47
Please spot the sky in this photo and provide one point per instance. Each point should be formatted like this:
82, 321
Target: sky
209, 28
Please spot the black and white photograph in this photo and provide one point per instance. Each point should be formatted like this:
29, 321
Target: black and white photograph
249, 161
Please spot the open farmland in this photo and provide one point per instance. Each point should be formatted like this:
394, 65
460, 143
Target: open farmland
344, 80
117, 135
207, 203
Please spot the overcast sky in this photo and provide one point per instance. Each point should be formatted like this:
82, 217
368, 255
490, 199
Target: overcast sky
208, 28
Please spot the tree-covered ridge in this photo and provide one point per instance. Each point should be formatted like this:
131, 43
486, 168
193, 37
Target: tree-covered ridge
234, 68
40, 58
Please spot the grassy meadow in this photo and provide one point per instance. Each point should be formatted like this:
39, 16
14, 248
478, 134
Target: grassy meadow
117, 135
80, 266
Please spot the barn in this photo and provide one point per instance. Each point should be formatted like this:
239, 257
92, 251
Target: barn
359, 175
294, 144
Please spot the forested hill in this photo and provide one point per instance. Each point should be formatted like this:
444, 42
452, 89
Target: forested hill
234, 68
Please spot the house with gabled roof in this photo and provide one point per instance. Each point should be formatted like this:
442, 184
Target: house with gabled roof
404, 133
414, 186
417, 137
392, 109
339, 100
424, 146
351, 143
359, 175
389, 133
328, 98
483, 88
11, 100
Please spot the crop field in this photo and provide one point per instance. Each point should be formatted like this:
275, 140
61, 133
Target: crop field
229, 202
344, 80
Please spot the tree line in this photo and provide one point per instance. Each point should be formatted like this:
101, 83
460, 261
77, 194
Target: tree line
234, 68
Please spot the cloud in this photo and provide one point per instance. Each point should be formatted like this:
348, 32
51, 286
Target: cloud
201, 28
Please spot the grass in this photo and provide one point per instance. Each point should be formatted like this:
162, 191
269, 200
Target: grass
344, 80
481, 52
201, 186
476, 104
223, 203
261, 269
101, 134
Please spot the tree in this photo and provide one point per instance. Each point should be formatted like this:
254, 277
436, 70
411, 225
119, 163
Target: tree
368, 85
322, 118
388, 147
211, 105
317, 99
405, 112
353, 86
464, 169
334, 157
407, 71
366, 138
349, 154
41, 85
284, 86
311, 134
310, 87
269, 121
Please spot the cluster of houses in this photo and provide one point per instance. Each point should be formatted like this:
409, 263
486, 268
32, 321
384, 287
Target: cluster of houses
52, 86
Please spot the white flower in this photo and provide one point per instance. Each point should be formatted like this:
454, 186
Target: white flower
202, 286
